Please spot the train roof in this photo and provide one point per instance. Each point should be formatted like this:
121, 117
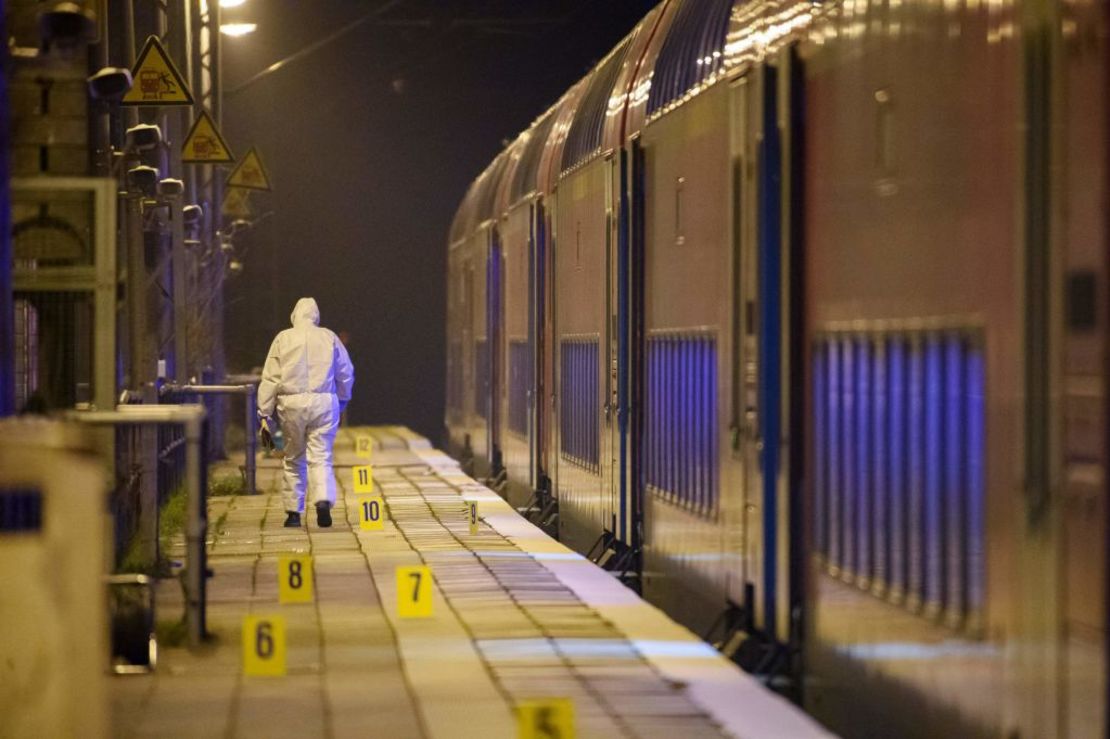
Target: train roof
679, 49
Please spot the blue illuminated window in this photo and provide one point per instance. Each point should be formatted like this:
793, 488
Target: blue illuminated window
681, 419
578, 402
584, 137
899, 469
20, 510
692, 51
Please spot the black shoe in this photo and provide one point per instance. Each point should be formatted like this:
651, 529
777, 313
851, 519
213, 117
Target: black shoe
323, 515
292, 520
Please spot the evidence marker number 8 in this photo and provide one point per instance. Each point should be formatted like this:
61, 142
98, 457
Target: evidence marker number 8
295, 578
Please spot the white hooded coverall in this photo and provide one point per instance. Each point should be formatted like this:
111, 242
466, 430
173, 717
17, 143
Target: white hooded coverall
307, 379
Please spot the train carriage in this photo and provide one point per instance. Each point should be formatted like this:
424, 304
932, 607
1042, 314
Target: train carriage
814, 297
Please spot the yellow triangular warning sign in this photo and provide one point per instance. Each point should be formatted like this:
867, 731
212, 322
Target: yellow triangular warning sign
155, 80
250, 172
204, 144
236, 203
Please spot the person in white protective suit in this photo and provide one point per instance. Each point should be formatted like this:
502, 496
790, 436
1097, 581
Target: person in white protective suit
307, 379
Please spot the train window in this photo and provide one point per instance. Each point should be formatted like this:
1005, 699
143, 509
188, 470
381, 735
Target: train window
681, 419
578, 402
848, 493
1082, 303
20, 510
878, 466
692, 51
584, 137
526, 177
865, 504
899, 472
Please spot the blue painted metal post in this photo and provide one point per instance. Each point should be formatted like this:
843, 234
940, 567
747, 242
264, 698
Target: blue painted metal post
7, 303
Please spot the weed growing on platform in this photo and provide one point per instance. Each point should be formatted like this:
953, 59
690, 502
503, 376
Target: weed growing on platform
171, 633
171, 522
226, 485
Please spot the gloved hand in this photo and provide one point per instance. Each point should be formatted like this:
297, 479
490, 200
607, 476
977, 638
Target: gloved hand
265, 435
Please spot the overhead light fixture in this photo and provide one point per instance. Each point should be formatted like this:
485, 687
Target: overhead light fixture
231, 3
237, 29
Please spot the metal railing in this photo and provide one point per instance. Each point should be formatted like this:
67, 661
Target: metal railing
190, 417
250, 419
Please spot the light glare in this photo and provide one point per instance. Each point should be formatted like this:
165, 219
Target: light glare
231, 3
237, 29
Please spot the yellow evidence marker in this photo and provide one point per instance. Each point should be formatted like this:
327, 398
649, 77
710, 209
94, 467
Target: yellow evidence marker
364, 478
472, 516
545, 718
363, 446
295, 578
371, 513
264, 645
414, 591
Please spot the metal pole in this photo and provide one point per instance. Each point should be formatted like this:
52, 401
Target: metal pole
136, 297
7, 302
129, 53
101, 118
251, 429
217, 327
180, 297
196, 531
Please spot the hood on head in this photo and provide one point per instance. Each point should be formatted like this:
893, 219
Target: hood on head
305, 311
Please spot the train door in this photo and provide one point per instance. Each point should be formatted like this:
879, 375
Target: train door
631, 339
551, 441
1084, 452
744, 524
466, 319
767, 330
494, 331
537, 232
612, 482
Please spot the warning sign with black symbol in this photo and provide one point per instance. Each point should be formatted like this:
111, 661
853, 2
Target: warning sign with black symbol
204, 144
250, 173
155, 80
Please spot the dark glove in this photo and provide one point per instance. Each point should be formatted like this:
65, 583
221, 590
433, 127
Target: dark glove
265, 436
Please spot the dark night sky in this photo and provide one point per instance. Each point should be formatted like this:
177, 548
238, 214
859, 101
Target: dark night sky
366, 178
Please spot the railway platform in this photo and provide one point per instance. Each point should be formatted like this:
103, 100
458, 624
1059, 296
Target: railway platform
516, 621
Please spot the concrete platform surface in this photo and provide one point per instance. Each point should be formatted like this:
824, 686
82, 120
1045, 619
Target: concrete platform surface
516, 616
